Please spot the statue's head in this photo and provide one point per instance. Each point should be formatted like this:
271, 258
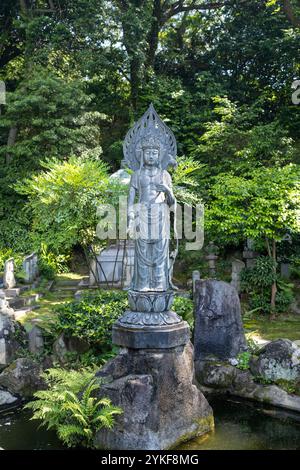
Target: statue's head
151, 151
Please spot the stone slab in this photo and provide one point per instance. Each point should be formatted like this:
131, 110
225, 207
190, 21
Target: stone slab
218, 323
224, 378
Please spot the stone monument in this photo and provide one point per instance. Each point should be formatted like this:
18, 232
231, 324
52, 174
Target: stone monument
30, 267
114, 265
9, 281
219, 329
152, 378
195, 277
237, 268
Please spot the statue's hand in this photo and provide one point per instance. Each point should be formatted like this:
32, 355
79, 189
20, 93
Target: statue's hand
163, 188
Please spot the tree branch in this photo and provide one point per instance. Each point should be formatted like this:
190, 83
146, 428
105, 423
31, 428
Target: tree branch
289, 13
179, 7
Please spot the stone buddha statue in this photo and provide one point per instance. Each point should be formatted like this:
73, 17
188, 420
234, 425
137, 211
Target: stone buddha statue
149, 219
149, 148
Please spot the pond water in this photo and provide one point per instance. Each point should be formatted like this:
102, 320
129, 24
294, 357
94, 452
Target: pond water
239, 425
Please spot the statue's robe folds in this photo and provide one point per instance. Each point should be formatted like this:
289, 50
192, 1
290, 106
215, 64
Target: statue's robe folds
152, 225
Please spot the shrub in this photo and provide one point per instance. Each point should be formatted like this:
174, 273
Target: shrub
185, 309
68, 407
260, 276
92, 318
257, 282
50, 264
295, 266
243, 360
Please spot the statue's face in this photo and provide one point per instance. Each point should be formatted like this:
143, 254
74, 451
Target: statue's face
151, 156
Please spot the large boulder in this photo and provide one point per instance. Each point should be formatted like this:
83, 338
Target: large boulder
12, 338
22, 377
218, 323
161, 403
279, 359
223, 378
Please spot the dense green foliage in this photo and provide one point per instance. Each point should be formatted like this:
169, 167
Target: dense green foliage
79, 72
92, 317
63, 201
69, 407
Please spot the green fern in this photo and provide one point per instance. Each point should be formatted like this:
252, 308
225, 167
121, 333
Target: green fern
68, 407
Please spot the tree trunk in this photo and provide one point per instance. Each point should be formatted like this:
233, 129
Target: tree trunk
274, 285
10, 142
154, 32
135, 82
272, 255
289, 12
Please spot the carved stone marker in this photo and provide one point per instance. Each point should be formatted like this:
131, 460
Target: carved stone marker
285, 270
9, 275
30, 266
152, 378
195, 277
36, 340
218, 324
237, 267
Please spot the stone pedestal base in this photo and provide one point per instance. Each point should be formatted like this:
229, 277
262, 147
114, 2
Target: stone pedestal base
161, 403
161, 337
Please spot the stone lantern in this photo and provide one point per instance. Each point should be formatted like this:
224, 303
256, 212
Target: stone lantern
212, 256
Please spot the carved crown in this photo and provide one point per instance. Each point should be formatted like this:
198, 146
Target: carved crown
149, 131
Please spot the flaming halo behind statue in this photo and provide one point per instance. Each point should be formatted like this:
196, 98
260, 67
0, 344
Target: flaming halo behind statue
148, 126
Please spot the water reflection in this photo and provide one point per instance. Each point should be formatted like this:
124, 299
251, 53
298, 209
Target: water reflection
18, 432
239, 425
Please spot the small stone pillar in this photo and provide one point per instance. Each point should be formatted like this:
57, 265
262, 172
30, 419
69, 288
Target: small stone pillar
9, 280
237, 267
36, 340
285, 270
195, 277
211, 257
30, 266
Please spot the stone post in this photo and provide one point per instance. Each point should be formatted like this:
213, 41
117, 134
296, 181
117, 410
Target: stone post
30, 266
211, 257
9, 274
285, 270
195, 277
237, 267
